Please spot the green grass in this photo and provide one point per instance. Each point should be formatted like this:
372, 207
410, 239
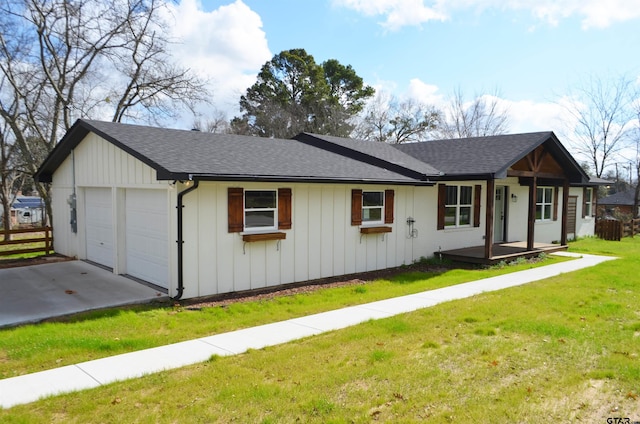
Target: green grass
110, 332
12, 247
565, 349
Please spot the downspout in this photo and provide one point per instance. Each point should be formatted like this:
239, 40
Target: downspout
180, 241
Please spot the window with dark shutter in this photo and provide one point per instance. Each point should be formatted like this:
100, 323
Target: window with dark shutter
260, 209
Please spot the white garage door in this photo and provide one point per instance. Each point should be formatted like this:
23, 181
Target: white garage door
99, 225
147, 239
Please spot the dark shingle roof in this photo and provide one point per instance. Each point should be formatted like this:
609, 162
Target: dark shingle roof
381, 154
622, 198
489, 156
177, 154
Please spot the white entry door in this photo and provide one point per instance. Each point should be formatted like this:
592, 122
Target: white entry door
147, 240
99, 225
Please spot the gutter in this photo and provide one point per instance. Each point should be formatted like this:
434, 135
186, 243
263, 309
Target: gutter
180, 240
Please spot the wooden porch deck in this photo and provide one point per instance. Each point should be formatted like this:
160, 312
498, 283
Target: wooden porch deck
501, 252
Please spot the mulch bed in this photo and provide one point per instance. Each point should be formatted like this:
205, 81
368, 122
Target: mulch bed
309, 286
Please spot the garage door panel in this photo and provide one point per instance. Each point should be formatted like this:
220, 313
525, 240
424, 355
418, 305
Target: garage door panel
147, 249
99, 226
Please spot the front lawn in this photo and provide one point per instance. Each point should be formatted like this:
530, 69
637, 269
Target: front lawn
110, 332
559, 350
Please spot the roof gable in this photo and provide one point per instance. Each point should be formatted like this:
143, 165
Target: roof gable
181, 154
493, 156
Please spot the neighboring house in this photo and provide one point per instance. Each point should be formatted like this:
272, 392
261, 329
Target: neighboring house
26, 210
621, 203
201, 214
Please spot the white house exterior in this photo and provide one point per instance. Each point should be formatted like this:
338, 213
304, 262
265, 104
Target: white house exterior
202, 214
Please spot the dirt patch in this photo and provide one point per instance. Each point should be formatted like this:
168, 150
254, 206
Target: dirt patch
38, 260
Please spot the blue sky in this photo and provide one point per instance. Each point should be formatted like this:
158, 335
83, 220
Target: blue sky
529, 51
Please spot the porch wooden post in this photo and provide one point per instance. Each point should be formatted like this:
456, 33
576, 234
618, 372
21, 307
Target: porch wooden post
565, 209
488, 233
531, 223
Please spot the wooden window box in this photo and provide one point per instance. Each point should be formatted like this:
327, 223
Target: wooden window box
375, 230
264, 237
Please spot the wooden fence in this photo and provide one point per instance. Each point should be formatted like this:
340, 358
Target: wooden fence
36, 240
611, 229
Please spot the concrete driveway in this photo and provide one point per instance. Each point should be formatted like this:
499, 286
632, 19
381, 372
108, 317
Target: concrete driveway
34, 293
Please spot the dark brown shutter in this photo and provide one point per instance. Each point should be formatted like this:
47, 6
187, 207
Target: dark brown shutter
555, 202
442, 199
476, 205
284, 208
584, 201
235, 202
356, 207
388, 206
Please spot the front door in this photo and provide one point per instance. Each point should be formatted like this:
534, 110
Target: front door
500, 215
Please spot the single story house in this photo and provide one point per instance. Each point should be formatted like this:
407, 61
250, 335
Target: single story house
26, 210
621, 203
201, 214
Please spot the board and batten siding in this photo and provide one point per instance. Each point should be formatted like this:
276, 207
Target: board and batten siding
321, 243
98, 164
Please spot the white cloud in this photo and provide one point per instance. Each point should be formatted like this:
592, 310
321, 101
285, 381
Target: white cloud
529, 116
397, 13
425, 93
226, 46
593, 13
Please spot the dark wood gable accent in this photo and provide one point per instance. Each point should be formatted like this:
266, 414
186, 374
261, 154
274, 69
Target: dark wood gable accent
236, 209
538, 163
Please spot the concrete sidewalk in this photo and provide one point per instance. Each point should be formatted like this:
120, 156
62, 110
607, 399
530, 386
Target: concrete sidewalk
86, 375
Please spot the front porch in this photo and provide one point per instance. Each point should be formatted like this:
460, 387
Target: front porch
500, 252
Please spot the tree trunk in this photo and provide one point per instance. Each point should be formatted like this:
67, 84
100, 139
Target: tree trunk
636, 198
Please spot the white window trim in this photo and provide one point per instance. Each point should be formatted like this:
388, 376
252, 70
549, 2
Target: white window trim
588, 213
458, 206
381, 207
254, 230
545, 203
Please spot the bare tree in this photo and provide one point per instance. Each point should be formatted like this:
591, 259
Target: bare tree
635, 134
216, 123
61, 60
602, 112
390, 120
8, 176
480, 117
